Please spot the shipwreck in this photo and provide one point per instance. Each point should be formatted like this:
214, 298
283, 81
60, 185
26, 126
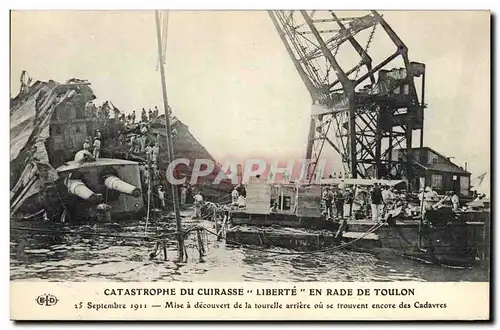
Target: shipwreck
51, 174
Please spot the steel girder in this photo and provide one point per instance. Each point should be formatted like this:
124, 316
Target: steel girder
364, 124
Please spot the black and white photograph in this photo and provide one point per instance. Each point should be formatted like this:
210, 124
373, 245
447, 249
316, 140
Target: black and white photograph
250, 146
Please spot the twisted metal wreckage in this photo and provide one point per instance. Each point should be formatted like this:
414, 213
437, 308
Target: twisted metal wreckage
35, 155
30, 114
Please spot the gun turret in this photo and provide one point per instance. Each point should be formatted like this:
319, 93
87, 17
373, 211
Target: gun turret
78, 188
112, 182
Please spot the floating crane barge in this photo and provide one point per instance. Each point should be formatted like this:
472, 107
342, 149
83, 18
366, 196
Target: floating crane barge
443, 236
367, 113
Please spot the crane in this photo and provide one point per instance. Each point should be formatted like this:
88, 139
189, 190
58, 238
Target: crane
360, 109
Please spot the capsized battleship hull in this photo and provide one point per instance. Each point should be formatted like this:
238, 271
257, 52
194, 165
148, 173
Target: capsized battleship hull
49, 125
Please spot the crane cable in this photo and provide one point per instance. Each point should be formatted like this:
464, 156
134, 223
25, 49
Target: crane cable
165, 36
368, 43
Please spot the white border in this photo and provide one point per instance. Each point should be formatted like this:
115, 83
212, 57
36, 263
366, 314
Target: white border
255, 4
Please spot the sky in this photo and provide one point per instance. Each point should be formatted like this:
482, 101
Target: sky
231, 81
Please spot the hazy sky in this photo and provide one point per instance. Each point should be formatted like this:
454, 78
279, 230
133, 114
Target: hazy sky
231, 81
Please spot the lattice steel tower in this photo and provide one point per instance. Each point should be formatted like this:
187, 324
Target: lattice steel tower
369, 110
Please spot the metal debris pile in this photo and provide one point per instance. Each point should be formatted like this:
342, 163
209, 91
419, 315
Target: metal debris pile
30, 115
34, 157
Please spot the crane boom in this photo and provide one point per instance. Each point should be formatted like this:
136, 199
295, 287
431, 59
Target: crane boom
368, 123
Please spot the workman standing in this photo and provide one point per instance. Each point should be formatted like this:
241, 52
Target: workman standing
144, 131
376, 201
86, 144
149, 151
184, 191
161, 196
387, 197
132, 143
328, 200
234, 196
211, 211
132, 117
455, 201
155, 152
428, 198
105, 113
97, 148
137, 144
349, 200
198, 203
189, 194
155, 172
339, 203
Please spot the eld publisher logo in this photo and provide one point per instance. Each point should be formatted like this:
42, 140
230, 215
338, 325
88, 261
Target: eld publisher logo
46, 300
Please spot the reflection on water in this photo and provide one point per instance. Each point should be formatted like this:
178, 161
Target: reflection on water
81, 258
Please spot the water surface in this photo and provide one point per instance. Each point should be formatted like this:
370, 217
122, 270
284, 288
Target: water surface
91, 258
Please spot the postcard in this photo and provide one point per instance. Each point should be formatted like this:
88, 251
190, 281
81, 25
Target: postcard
250, 165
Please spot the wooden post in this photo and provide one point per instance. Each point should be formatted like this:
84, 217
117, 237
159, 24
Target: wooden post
170, 153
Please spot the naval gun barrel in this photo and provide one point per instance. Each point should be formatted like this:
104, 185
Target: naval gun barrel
112, 182
78, 188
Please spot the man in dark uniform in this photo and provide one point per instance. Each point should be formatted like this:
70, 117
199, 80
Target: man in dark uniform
339, 203
376, 201
328, 200
349, 200
241, 190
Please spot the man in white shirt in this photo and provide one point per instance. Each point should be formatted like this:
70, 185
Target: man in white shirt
234, 196
198, 203
149, 150
455, 201
143, 139
161, 196
242, 202
97, 148
155, 152
387, 197
86, 144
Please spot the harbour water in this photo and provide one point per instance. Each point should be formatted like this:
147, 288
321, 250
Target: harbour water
97, 258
